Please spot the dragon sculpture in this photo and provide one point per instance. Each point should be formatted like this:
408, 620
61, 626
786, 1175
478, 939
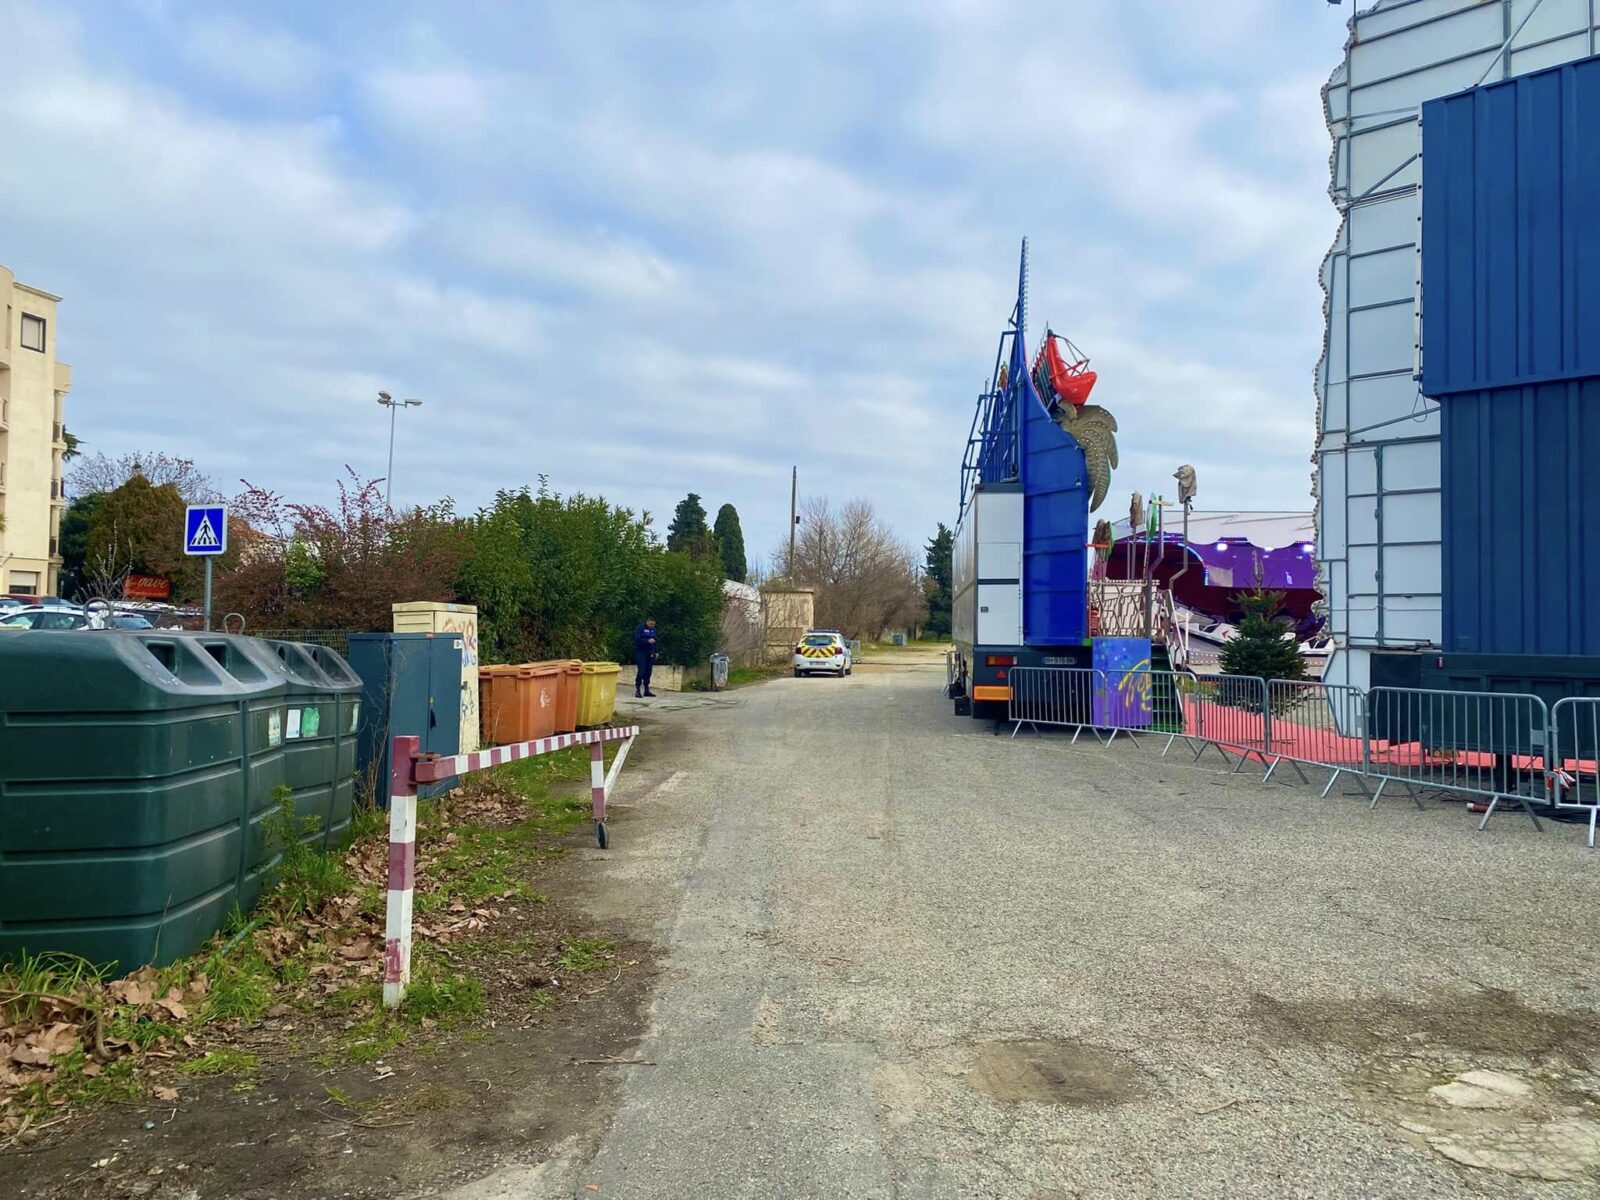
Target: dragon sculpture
1064, 386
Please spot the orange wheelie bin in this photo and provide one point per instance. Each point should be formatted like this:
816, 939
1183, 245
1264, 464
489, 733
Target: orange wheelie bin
571, 680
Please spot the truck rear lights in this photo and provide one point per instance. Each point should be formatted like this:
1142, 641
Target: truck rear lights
1000, 660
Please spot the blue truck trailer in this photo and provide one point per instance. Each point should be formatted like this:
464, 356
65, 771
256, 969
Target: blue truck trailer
1037, 460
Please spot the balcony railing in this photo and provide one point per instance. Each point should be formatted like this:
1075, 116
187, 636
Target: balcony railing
58, 433
55, 547
58, 489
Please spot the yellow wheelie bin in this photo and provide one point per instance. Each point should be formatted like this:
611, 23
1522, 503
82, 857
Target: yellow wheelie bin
597, 693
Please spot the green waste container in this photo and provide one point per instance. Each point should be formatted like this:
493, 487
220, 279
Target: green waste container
321, 709
137, 772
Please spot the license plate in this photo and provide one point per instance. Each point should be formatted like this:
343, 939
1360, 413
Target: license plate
1057, 662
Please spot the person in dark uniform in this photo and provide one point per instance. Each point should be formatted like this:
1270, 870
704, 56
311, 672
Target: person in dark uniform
645, 652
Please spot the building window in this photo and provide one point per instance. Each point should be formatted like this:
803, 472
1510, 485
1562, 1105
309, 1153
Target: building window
32, 332
24, 583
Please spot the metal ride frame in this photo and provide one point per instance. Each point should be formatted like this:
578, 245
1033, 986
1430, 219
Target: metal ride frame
408, 767
1486, 745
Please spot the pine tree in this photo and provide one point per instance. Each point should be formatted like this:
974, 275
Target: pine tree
730, 543
937, 580
1263, 646
688, 529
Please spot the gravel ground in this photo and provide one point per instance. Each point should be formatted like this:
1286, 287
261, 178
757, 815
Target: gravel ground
909, 958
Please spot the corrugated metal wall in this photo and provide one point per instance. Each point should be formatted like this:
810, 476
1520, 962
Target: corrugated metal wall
1511, 214
1055, 531
1522, 520
1511, 351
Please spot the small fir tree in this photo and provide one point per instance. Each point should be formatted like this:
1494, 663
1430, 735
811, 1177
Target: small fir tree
1264, 645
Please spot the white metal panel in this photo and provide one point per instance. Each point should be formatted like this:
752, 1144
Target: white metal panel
1550, 54
1472, 28
1362, 477
1000, 561
1338, 584
1385, 398
1000, 614
1411, 465
1376, 156
1331, 526
1412, 620
1386, 275
1406, 93
1363, 569
1362, 520
1545, 21
1392, 221
1410, 571
1382, 339
1390, 15
1412, 517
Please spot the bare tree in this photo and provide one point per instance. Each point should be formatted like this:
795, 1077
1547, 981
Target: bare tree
864, 576
98, 473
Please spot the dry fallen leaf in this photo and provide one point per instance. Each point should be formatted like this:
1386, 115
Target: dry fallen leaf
360, 948
174, 1005
165, 1094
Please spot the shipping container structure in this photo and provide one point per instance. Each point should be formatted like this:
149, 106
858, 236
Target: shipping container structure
1020, 560
1400, 589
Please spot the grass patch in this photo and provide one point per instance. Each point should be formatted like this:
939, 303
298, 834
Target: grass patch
448, 999
585, 954
740, 677
222, 1062
31, 978
304, 875
376, 1036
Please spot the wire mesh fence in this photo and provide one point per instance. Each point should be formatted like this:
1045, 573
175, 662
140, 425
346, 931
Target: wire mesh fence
334, 639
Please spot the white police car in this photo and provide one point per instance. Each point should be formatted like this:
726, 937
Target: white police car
822, 650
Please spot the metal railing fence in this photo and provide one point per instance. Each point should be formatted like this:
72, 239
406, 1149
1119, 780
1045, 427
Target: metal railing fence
1317, 724
1574, 756
1477, 743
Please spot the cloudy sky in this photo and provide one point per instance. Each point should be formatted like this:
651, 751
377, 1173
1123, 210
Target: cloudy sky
645, 249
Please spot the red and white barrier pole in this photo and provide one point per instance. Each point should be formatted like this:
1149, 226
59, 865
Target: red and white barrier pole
407, 770
402, 868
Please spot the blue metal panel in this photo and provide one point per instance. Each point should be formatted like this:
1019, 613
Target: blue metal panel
1055, 528
402, 677
1521, 524
1511, 245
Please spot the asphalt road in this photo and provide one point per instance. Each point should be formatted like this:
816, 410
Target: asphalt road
909, 958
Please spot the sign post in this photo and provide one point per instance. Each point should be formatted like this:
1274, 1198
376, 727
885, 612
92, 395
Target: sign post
205, 534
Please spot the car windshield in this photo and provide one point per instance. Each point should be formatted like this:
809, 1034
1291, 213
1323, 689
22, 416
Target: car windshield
22, 621
58, 620
819, 639
130, 621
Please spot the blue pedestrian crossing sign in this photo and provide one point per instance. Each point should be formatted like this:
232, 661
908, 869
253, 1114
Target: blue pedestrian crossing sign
205, 529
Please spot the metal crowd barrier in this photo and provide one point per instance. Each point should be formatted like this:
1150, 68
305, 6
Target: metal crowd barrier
1061, 696
1477, 743
1321, 725
1574, 759
1230, 715
1499, 746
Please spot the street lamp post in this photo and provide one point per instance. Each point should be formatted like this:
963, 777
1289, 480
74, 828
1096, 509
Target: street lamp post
392, 405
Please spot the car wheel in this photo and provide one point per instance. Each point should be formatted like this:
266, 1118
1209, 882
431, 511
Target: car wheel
797, 672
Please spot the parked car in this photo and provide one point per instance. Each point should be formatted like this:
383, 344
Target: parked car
41, 617
822, 650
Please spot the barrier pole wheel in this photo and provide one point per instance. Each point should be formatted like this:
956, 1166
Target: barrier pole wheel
600, 833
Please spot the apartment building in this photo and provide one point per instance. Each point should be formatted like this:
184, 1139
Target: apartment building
33, 389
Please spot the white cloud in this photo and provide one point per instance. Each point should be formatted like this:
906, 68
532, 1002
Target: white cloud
662, 253
269, 62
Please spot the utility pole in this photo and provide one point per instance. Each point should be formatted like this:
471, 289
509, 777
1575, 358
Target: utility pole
794, 516
392, 405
